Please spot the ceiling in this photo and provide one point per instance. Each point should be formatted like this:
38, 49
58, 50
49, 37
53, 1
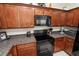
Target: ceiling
65, 6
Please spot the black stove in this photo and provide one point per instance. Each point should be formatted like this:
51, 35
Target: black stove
45, 43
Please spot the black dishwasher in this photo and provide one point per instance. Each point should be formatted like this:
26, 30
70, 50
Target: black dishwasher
45, 43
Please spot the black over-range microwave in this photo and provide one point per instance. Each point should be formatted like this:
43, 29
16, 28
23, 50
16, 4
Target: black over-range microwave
42, 20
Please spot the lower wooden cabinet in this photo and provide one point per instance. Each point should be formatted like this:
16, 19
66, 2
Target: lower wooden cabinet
59, 44
28, 49
69, 45
13, 51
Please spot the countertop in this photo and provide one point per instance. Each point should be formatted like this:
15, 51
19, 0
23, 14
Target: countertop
58, 35
6, 45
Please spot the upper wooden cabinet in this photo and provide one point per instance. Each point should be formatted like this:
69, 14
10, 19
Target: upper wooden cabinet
72, 18
39, 11
11, 16
57, 17
48, 12
69, 19
26, 16
56, 21
0, 24
62, 18
16, 16
76, 17
2, 19
22, 16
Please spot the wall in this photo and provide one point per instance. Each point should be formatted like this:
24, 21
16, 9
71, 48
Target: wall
66, 6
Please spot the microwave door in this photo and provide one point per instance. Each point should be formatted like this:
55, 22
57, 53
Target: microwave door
37, 22
43, 22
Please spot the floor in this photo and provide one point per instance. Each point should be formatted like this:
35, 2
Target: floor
61, 53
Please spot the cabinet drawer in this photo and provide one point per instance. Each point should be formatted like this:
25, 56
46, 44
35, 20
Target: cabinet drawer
28, 45
27, 52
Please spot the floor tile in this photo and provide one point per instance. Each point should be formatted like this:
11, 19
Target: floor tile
61, 53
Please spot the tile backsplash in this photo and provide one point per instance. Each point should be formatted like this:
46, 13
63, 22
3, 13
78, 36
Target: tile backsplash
24, 30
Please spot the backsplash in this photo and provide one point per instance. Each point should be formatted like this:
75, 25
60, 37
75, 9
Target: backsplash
70, 28
24, 30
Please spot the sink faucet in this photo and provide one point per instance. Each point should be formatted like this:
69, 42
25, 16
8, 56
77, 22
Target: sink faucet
61, 30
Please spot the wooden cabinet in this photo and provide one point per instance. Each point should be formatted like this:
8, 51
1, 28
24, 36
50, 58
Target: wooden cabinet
72, 18
0, 24
15, 16
14, 51
69, 19
27, 49
26, 16
62, 18
0, 14
57, 17
59, 44
56, 20
21, 16
48, 12
11, 16
69, 45
39, 11
76, 17
2, 20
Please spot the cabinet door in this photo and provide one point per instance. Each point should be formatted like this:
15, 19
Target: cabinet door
27, 49
26, 16
69, 45
11, 16
2, 19
59, 44
56, 18
76, 17
48, 12
62, 18
39, 11
69, 19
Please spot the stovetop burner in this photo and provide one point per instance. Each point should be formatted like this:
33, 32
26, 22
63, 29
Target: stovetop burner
45, 37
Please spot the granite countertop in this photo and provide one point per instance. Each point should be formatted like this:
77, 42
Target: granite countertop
6, 45
58, 35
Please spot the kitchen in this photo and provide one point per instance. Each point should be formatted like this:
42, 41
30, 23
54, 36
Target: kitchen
31, 30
